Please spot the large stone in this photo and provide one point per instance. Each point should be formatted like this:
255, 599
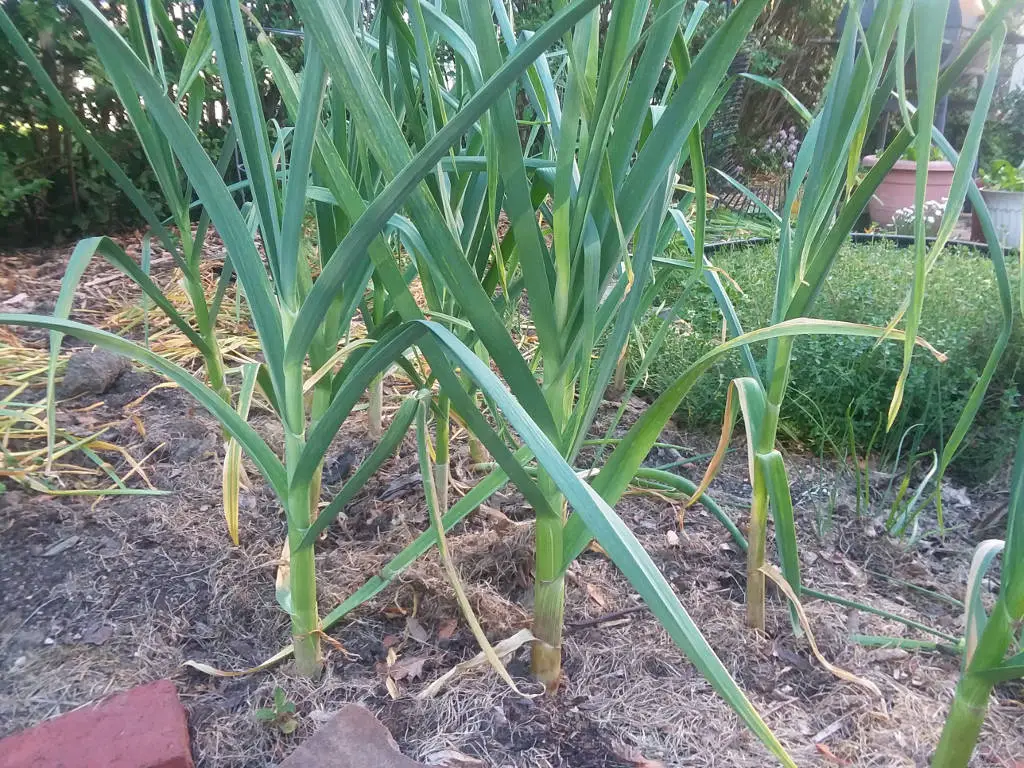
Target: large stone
91, 372
353, 738
144, 727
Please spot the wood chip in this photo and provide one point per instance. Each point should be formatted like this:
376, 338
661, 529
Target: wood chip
828, 730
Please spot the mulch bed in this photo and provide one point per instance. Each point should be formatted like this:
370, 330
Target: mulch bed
101, 593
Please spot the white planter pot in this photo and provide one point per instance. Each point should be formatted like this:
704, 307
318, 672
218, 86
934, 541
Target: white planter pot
1007, 209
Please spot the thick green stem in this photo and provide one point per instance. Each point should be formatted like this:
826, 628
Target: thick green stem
305, 617
757, 533
375, 410
443, 457
966, 715
302, 576
477, 452
549, 573
302, 565
549, 576
619, 379
548, 603
764, 442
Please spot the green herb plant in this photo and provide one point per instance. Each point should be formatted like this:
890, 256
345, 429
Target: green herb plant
840, 388
301, 320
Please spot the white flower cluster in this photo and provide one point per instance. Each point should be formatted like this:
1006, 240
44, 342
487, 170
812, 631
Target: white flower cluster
903, 219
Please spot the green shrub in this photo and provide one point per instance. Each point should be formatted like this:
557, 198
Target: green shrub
52, 186
833, 374
1003, 137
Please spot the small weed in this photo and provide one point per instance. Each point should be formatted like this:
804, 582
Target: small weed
281, 715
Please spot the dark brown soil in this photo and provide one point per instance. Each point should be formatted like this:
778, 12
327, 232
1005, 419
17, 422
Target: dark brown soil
101, 593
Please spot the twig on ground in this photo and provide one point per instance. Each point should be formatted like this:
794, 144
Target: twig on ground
607, 617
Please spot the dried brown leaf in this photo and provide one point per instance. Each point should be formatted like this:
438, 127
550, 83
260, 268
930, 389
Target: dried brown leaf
446, 630
597, 596
408, 668
634, 757
831, 756
415, 630
450, 758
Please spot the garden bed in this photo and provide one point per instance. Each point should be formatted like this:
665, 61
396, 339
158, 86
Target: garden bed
99, 594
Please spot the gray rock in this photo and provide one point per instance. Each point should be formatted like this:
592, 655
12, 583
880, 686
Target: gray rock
353, 738
91, 372
187, 449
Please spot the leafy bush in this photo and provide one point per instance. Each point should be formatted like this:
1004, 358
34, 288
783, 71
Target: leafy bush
1002, 176
832, 374
14, 189
1003, 138
53, 187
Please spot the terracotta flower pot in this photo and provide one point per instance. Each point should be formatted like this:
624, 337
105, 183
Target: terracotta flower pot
897, 188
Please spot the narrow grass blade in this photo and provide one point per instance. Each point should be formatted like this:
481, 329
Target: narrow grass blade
229, 41
233, 453
975, 616
751, 196
208, 183
803, 112
200, 50
307, 122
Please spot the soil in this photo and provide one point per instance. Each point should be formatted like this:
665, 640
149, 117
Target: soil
100, 593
